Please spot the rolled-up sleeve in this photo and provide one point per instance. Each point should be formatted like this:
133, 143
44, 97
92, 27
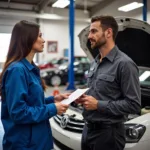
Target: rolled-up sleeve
130, 89
16, 89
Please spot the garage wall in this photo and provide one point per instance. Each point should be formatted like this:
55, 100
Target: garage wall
59, 31
6, 26
112, 9
7, 23
53, 30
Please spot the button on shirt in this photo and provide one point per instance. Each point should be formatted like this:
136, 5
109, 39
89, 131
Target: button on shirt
25, 111
114, 82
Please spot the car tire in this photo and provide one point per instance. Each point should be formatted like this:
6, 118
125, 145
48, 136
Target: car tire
55, 80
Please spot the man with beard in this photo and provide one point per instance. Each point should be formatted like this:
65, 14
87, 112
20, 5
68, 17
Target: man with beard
114, 89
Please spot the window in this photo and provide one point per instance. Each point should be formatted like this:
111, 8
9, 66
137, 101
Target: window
4, 45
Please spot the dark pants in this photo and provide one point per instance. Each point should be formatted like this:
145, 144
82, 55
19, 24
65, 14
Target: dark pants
106, 138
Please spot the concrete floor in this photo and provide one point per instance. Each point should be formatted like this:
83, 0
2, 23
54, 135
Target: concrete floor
48, 92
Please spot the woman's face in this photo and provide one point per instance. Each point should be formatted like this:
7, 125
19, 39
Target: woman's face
39, 44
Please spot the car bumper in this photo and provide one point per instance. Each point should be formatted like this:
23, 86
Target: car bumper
70, 139
73, 140
138, 146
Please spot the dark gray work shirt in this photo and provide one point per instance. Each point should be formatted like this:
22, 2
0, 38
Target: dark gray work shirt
114, 82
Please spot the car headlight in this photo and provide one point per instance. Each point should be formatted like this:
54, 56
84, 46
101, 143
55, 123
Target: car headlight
134, 132
62, 67
44, 74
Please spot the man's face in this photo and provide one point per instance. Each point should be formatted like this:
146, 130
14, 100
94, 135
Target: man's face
96, 35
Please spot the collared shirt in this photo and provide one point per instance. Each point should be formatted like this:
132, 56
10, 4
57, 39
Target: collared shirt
25, 111
114, 82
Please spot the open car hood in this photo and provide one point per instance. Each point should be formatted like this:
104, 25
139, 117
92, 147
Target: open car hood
133, 39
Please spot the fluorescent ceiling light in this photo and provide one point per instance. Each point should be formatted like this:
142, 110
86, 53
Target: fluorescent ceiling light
144, 76
61, 3
130, 6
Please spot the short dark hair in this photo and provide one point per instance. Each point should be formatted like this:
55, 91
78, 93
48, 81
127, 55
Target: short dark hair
107, 22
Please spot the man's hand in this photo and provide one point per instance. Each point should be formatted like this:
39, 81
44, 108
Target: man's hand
80, 99
60, 97
89, 102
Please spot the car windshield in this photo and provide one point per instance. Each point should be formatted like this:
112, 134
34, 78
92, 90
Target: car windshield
59, 61
54, 61
144, 77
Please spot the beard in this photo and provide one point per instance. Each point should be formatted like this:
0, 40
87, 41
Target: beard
100, 42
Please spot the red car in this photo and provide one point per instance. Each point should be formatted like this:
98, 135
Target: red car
54, 63
46, 65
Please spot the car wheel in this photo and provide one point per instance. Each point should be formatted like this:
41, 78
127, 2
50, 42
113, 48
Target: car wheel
55, 80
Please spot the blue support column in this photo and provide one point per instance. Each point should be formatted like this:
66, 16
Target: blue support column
145, 10
71, 50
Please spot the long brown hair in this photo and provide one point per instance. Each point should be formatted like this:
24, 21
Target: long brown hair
24, 35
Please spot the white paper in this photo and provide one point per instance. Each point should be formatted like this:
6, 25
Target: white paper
75, 95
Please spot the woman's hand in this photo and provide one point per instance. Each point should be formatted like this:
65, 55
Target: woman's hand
61, 108
60, 97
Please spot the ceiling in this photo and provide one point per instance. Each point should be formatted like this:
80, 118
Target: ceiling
39, 5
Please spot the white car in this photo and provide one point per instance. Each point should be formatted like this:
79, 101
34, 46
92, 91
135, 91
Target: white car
133, 39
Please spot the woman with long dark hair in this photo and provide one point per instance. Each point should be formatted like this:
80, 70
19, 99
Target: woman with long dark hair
25, 111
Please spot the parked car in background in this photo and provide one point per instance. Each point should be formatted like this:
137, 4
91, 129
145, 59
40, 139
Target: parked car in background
59, 61
56, 62
59, 76
46, 65
133, 39
62, 60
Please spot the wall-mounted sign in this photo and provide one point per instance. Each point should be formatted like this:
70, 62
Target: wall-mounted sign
52, 46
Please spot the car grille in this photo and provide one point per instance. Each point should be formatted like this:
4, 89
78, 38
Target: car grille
72, 124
